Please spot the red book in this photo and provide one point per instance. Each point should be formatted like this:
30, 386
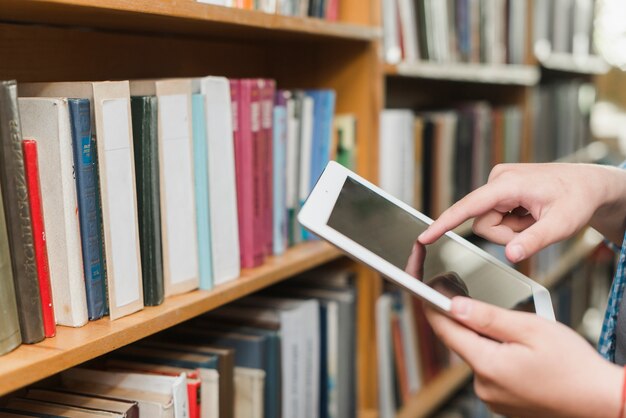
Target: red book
332, 10
248, 157
268, 89
31, 167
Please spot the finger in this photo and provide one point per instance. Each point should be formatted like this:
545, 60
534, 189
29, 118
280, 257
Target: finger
501, 228
488, 197
500, 324
466, 343
534, 238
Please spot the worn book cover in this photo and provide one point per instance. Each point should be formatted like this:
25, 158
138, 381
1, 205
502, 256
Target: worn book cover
17, 211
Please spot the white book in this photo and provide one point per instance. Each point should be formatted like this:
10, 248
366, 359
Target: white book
386, 403
110, 104
300, 349
293, 161
157, 396
222, 189
391, 38
407, 14
409, 344
249, 387
176, 174
47, 120
209, 393
396, 153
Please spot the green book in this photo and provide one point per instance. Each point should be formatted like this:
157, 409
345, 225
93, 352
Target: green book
18, 222
10, 336
144, 115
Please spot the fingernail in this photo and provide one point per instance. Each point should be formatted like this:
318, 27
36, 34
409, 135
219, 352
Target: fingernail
517, 253
420, 236
461, 307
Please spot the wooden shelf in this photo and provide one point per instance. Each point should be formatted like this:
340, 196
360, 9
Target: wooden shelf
72, 346
523, 75
432, 396
182, 16
589, 240
592, 64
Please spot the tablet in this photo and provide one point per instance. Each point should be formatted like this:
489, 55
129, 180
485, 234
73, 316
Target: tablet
381, 231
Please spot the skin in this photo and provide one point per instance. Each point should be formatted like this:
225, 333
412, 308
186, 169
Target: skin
526, 366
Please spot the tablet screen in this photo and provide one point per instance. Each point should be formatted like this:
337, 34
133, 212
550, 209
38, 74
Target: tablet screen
446, 265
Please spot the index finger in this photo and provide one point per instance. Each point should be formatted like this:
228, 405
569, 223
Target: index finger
476, 203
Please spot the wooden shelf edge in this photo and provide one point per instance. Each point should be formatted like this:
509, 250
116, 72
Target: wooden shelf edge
182, 16
432, 396
591, 64
522, 75
72, 346
589, 240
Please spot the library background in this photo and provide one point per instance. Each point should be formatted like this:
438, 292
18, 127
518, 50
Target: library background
154, 154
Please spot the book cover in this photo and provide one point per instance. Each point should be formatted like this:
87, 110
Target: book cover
17, 214
386, 402
267, 89
31, 167
293, 165
201, 182
249, 157
88, 209
126, 409
279, 176
48, 120
222, 188
146, 153
10, 337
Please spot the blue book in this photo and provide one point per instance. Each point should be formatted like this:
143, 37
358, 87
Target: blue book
201, 174
85, 172
279, 145
152, 355
323, 114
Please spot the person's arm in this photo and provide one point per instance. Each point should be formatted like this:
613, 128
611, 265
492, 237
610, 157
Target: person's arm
530, 206
526, 366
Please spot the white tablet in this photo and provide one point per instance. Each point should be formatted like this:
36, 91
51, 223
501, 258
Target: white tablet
381, 232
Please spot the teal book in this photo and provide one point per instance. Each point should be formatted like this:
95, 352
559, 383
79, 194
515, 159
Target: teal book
201, 174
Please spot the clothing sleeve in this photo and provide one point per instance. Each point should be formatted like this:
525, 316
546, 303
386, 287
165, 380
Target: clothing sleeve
609, 243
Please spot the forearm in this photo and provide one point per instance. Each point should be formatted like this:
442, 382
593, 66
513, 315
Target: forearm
610, 217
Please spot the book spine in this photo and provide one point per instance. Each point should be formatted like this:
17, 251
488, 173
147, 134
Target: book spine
279, 139
86, 190
146, 153
10, 337
17, 210
259, 192
39, 235
267, 127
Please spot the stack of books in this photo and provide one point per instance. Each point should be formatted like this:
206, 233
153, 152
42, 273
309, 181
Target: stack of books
324, 9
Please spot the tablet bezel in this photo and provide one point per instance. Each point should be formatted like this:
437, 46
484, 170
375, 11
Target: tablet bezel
318, 207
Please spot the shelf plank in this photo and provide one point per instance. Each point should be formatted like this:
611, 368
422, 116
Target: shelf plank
522, 75
181, 16
569, 63
574, 255
432, 396
72, 346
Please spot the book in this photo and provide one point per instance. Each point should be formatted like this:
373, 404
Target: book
396, 152
179, 230
31, 167
48, 409
201, 182
343, 149
294, 109
111, 115
249, 389
323, 115
279, 176
89, 211
306, 152
126, 409
222, 188
386, 402
267, 89
17, 215
146, 153
10, 337
48, 120
249, 157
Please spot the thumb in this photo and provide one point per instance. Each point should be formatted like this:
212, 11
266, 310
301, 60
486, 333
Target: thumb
499, 324
533, 239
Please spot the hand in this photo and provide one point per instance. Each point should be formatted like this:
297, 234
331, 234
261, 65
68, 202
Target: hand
530, 206
540, 369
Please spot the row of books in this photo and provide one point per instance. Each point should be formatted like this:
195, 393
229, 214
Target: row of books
324, 9
128, 192
476, 31
431, 159
564, 27
286, 352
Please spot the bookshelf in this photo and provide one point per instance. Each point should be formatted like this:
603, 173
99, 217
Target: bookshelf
569, 63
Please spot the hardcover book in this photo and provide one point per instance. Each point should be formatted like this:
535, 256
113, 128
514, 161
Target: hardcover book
39, 235
88, 209
146, 150
17, 213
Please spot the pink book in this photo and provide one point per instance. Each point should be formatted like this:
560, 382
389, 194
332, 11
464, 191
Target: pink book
268, 89
332, 10
245, 93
